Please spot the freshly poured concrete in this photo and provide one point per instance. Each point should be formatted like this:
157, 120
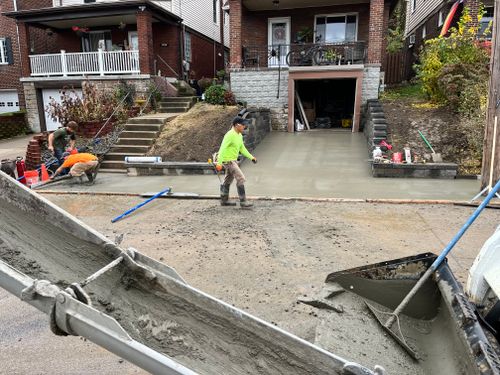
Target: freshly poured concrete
326, 164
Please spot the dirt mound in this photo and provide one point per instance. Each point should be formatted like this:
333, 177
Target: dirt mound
195, 135
438, 124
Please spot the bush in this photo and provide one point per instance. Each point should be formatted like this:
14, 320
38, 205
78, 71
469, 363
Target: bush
121, 92
449, 64
155, 96
217, 94
205, 83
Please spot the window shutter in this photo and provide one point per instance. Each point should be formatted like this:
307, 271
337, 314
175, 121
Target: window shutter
10, 53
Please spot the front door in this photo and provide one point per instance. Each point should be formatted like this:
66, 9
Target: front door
278, 40
133, 40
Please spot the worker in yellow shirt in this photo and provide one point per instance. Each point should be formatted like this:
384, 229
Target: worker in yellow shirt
231, 147
79, 163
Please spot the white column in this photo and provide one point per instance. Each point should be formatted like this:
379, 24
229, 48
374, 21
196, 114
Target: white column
64, 66
100, 61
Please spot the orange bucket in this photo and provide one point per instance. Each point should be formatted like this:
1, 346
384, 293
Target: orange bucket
31, 177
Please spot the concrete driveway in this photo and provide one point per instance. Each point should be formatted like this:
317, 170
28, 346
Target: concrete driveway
316, 164
14, 147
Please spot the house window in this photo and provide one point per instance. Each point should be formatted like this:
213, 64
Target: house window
187, 47
485, 23
424, 31
336, 28
3, 51
93, 40
413, 5
215, 9
440, 18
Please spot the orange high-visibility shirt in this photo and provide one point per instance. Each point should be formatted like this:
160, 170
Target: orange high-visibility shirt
78, 158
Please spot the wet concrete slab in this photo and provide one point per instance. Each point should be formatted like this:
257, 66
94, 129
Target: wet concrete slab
316, 164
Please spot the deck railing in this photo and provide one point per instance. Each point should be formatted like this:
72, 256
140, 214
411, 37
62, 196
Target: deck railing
85, 63
304, 54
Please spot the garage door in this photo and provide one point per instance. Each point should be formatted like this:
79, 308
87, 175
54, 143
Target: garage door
9, 101
47, 94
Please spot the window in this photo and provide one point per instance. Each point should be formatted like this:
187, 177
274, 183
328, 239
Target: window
486, 23
413, 5
336, 28
440, 18
215, 10
3, 51
93, 40
424, 31
187, 47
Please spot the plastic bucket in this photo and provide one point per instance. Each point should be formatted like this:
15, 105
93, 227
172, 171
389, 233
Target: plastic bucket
397, 157
31, 177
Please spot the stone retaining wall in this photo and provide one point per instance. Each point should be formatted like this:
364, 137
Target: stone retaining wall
375, 124
429, 170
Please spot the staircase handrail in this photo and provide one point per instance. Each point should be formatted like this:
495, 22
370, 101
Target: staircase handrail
168, 66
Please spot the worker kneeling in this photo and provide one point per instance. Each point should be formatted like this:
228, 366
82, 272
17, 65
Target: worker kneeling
230, 148
79, 163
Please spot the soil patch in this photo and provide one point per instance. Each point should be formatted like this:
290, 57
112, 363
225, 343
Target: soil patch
438, 124
195, 135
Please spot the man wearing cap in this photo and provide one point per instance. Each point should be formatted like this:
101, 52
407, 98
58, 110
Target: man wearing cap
230, 148
79, 163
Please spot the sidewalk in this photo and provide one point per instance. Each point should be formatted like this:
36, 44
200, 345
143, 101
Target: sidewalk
13, 147
318, 164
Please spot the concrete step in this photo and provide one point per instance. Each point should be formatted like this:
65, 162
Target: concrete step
129, 149
120, 155
146, 120
112, 164
173, 110
110, 170
138, 134
178, 99
135, 141
174, 104
143, 127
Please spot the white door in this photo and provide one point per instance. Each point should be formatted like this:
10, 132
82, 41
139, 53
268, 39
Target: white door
9, 101
133, 40
278, 40
47, 94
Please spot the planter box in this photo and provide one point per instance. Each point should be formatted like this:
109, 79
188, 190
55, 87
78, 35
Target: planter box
429, 170
170, 168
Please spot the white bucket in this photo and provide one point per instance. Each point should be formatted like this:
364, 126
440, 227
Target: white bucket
142, 159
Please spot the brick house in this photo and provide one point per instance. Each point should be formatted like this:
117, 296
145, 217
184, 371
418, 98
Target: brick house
425, 19
326, 53
65, 42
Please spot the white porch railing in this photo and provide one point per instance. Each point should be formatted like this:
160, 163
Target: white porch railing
85, 63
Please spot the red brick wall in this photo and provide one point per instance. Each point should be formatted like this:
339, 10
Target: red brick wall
376, 31
32, 4
166, 43
235, 36
10, 74
202, 59
145, 31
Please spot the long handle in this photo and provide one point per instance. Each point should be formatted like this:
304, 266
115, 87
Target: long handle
167, 190
443, 255
426, 141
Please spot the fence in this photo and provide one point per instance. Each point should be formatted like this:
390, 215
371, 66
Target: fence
85, 63
397, 68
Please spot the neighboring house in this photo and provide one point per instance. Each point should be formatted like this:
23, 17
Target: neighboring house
11, 91
327, 55
425, 19
64, 42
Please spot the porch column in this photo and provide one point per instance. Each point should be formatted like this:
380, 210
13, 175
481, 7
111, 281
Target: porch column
24, 48
145, 38
235, 18
473, 11
376, 31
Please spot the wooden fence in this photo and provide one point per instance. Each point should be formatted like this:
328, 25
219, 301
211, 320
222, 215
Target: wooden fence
397, 68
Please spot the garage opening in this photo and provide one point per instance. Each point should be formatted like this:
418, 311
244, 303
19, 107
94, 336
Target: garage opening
325, 103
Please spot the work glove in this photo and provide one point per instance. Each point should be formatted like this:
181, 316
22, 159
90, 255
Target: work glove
218, 167
254, 160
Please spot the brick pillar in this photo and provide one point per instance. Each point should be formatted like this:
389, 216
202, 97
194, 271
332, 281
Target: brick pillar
235, 18
24, 47
145, 36
473, 6
376, 31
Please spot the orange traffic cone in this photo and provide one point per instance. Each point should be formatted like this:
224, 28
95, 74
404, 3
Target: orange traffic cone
45, 174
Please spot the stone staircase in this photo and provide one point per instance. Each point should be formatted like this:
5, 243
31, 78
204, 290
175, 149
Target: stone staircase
140, 133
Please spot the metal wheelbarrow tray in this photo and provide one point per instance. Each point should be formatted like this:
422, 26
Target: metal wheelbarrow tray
440, 321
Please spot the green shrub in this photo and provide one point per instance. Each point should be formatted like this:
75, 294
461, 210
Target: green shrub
215, 94
121, 92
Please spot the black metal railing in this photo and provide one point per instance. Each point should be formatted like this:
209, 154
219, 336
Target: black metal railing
304, 54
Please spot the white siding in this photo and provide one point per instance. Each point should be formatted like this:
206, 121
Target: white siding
423, 9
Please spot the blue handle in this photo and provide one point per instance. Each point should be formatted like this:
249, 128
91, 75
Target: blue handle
167, 190
471, 219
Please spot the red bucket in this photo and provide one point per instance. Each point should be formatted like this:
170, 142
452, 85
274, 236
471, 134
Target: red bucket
31, 177
397, 157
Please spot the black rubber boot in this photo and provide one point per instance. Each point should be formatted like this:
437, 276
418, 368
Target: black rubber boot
243, 198
224, 196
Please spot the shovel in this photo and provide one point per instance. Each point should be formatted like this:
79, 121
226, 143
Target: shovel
394, 316
436, 158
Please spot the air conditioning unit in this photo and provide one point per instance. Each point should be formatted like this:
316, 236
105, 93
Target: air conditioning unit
411, 39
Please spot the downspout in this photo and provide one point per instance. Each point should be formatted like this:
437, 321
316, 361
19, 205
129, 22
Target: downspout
181, 42
222, 32
18, 40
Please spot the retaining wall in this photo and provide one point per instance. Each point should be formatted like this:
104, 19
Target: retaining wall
12, 125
